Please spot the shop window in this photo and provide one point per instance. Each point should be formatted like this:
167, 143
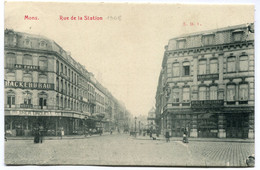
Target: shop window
43, 63
42, 78
202, 67
27, 77
186, 94
10, 99
213, 66
231, 64
10, 60
213, 93
243, 63
27, 59
176, 69
186, 68
202, 93
231, 94
243, 92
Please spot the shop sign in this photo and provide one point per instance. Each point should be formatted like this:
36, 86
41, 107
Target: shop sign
29, 85
208, 77
32, 113
27, 67
207, 103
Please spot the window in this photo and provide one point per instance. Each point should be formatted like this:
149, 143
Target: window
231, 92
57, 66
213, 66
202, 93
27, 77
181, 44
27, 43
243, 92
208, 39
237, 36
61, 85
186, 68
61, 67
42, 100
186, 94
27, 59
66, 70
243, 63
69, 73
10, 99
57, 84
213, 93
10, 76
231, 64
42, 78
202, 66
176, 69
57, 101
10, 60
43, 63
27, 98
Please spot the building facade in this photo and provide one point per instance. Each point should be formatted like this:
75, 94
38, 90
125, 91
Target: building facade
45, 86
206, 84
151, 119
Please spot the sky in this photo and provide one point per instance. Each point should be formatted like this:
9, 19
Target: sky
124, 53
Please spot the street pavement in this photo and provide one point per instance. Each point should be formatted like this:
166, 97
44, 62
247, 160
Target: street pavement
122, 149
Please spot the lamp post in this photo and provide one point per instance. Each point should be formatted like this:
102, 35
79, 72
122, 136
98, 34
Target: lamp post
139, 128
135, 125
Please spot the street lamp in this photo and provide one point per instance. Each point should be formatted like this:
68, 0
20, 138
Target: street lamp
135, 125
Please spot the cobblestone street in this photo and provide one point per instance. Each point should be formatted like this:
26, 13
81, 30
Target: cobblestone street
122, 149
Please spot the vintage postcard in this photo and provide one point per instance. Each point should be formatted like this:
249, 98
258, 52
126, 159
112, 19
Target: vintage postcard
129, 84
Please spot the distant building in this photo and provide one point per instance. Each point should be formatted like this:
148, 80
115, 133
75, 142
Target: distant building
151, 119
206, 84
45, 86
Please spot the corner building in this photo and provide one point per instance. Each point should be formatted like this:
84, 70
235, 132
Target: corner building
206, 84
45, 86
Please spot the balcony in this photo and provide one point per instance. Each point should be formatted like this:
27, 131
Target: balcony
26, 106
207, 104
208, 77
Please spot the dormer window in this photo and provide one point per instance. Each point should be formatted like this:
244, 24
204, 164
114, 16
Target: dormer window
27, 43
43, 44
237, 35
181, 43
208, 39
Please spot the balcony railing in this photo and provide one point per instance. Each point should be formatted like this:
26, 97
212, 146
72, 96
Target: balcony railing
208, 77
26, 106
200, 104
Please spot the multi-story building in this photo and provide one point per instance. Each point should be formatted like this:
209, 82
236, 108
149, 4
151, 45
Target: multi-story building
151, 119
206, 84
45, 86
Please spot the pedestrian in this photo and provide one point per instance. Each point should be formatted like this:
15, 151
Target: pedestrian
185, 137
167, 136
151, 134
111, 131
36, 135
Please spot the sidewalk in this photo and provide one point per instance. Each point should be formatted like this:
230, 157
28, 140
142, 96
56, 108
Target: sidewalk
161, 137
66, 137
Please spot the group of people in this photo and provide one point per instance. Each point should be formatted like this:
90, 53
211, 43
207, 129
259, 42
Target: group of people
184, 139
38, 135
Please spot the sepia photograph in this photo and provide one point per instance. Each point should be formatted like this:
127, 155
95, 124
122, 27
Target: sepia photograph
129, 84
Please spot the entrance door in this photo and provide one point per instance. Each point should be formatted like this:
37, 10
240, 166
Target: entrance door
237, 126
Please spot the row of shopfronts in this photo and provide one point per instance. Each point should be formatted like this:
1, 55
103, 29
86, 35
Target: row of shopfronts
23, 123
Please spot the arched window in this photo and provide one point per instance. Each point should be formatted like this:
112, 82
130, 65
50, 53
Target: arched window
10, 98
202, 92
213, 66
43, 63
57, 66
213, 92
27, 59
231, 64
42, 78
27, 77
186, 94
176, 69
243, 63
202, 67
10, 60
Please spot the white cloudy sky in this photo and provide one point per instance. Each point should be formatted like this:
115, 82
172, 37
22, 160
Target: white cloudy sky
125, 55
